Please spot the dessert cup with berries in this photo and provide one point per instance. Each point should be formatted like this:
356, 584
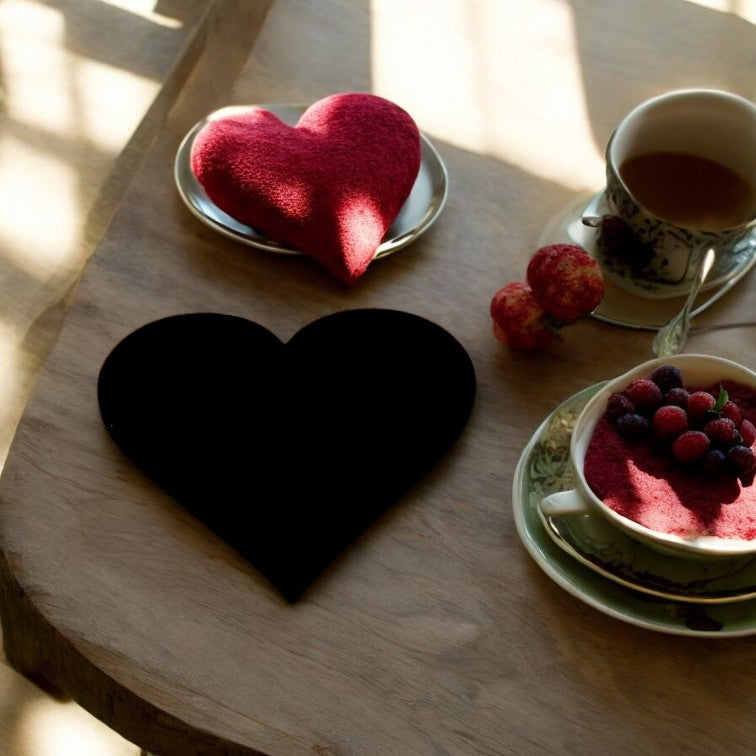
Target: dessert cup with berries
667, 453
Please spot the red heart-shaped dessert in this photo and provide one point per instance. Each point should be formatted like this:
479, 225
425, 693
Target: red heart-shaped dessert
331, 185
287, 451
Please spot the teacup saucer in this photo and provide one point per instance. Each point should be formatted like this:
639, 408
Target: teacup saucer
625, 288
422, 207
544, 468
603, 548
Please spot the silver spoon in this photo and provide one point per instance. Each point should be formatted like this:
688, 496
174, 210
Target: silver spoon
670, 339
723, 326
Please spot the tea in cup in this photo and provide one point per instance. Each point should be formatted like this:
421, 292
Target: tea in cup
681, 174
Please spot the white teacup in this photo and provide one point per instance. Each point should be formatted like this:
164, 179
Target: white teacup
694, 125
697, 370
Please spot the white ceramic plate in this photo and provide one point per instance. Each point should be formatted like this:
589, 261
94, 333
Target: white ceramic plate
422, 207
543, 468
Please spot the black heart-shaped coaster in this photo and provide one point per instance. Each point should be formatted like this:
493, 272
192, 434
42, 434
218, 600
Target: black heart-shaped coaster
287, 451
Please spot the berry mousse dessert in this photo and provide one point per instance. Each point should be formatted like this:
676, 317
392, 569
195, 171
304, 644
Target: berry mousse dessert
678, 459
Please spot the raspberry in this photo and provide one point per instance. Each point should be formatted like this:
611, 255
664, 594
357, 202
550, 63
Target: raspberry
667, 377
690, 446
644, 393
721, 431
699, 403
678, 396
632, 425
618, 405
708, 435
732, 411
747, 432
519, 321
617, 239
566, 281
713, 462
670, 421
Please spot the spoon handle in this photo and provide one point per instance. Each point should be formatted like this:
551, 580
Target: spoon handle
670, 339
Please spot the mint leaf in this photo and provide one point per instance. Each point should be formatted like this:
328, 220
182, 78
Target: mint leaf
722, 399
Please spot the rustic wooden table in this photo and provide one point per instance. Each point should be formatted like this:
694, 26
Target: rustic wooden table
436, 632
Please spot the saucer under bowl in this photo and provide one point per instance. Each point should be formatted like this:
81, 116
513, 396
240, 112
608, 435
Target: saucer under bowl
643, 591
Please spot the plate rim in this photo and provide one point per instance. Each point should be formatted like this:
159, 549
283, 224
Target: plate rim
573, 548
431, 160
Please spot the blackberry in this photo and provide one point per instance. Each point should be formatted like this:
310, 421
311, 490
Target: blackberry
677, 396
618, 405
740, 459
633, 425
667, 377
713, 462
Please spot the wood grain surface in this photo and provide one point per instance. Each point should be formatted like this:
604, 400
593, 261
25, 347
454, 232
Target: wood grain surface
435, 632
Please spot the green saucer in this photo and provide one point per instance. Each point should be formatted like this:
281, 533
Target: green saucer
544, 468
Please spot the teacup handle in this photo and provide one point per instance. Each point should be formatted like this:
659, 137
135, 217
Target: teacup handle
593, 221
563, 503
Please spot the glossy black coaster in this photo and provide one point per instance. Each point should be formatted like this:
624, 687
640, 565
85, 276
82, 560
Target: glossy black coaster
287, 451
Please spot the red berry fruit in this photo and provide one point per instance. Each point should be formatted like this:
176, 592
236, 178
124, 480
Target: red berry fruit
709, 436
731, 410
721, 431
566, 281
669, 421
518, 320
699, 403
690, 446
644, 393
747, 432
